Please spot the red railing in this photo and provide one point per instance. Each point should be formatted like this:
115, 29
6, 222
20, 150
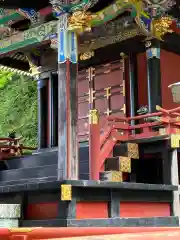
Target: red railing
120, 129
10, 147
151, 233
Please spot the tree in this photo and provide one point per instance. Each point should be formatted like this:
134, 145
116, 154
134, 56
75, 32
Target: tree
18, 108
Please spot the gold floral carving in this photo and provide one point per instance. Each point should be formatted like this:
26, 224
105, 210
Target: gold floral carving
125, 164
133, 150
86, 56
161, 26
175, 140
117, 176
80, 21
66, 192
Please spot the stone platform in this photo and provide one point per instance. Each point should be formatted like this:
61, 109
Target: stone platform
91, 203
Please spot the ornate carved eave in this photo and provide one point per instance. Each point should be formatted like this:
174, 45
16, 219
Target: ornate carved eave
149, 26
104, 41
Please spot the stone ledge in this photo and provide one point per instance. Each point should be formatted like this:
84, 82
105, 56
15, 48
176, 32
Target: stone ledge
9, 223
10, 211
108, 222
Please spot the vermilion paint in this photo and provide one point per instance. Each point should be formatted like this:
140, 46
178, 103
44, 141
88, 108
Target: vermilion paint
144, 209
40, 211
65, 233
87, 210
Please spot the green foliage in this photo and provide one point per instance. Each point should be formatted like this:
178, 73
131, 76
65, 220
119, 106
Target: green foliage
18, 107
5, 77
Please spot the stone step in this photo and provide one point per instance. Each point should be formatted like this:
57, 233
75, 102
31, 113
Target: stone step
26, 185
120, 163
10, 211
41, 159
112, 176
9, 223
47, 157
127, 150
29, 173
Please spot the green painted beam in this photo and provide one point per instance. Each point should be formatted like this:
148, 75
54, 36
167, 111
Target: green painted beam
29, 37
45, 31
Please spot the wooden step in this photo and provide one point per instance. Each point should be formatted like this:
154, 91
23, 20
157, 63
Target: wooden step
127, 149
122, 164
112, 176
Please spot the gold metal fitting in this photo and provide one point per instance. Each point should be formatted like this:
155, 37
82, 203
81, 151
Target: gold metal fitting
93, 116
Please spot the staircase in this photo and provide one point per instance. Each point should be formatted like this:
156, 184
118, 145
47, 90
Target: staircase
118, 167
39, 166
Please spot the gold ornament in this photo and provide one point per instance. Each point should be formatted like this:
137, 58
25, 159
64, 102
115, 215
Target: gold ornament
133, 150
125, 164
87, 55
80, 21
117, 176
33, 69
161, 26
175, 140
66, 192
93, 116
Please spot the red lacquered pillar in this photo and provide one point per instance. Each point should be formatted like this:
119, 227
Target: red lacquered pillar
94, 144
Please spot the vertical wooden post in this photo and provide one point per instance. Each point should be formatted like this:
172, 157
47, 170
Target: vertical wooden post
42, 114
49, 97
94, 144
175, 182
166, 167
53, 98
133, 88
153, 74
67, 102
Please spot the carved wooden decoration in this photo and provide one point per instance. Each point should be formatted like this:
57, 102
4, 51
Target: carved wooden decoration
133, 150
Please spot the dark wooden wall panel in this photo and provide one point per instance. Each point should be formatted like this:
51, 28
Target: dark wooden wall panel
170, 73
105, 76
142, 79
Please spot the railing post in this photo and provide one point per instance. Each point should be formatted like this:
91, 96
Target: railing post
94, 144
